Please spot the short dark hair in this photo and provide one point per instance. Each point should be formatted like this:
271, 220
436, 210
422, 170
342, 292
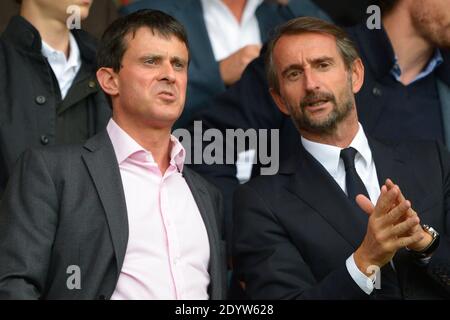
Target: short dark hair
112, 45
300, 25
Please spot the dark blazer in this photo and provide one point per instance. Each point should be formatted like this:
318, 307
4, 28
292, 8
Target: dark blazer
295, 230
32, 113
204, 76
378, 95
65, 206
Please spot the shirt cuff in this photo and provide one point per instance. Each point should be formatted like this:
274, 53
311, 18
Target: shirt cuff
364, 282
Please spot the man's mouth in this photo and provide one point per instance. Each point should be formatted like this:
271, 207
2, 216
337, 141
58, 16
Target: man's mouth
316, 103
168, 95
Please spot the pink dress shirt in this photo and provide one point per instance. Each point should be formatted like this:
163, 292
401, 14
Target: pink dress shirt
167, 255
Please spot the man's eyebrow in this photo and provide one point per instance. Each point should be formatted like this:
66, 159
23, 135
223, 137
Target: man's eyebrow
321, 59
178, 60
150, 56
299, 66
157, 56
294, 66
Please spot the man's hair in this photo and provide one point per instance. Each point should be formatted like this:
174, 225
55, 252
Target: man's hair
345, 45
113, 45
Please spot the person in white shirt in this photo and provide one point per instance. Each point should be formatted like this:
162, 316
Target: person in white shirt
48, 90
346, 217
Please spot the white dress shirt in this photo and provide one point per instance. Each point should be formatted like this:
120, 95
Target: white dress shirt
329, 157
168, 251
65, 69
225, 33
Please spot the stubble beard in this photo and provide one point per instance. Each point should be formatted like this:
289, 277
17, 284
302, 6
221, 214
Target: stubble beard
329, 125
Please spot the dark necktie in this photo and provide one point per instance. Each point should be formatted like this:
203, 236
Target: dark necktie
389, 282
353, 181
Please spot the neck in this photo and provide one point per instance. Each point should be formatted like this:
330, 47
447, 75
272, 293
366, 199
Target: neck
413, 51
154, 140
236, 7
341, 137
54, 32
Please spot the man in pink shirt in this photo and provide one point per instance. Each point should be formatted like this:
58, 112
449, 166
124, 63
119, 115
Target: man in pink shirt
120, 217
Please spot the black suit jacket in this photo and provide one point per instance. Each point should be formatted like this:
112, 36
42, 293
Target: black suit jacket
248, 104
65, 206
295, 230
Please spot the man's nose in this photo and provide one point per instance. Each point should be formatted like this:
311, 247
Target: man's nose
311, 80
167, 72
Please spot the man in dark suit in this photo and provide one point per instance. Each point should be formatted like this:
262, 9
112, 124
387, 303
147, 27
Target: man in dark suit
419, 109
119, 217
332, 224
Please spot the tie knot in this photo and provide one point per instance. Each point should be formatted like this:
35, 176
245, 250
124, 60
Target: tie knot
348, 156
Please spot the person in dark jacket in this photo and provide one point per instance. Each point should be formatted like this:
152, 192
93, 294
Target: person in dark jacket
48, 90
101, 14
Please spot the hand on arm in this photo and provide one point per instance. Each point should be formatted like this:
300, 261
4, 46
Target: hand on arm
232, 67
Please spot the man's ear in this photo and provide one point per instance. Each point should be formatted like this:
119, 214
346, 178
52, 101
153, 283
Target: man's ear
279, 101
357, 70
108, 80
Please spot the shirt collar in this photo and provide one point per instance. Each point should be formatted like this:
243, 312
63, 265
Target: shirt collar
125, 147
329, 155
249, 10
434, 62
74, 56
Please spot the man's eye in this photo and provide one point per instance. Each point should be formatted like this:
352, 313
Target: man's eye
178, 65
323, 65
293, 75
150, 61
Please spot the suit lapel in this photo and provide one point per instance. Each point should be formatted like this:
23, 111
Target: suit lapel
312, 183
104, 170
387, 162
444, 98
391, 162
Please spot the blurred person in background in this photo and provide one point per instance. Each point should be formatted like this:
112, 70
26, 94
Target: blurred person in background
101, 14
48, 90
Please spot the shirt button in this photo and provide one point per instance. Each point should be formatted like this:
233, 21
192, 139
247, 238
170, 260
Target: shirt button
44, 139
40, 100
91, 84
